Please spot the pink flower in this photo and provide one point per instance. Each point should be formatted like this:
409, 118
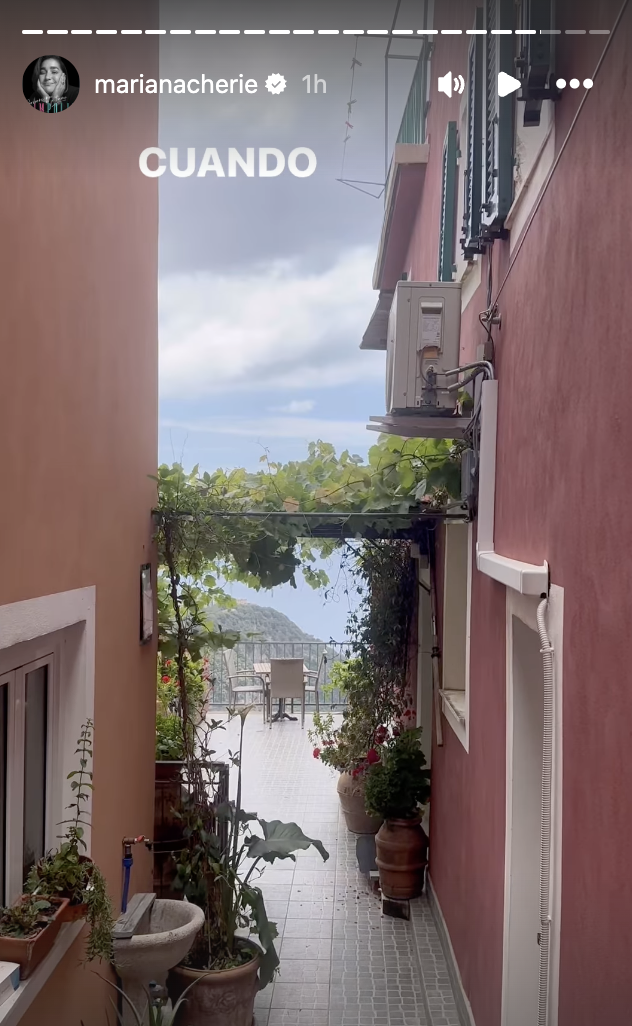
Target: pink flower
316, 753
166, 680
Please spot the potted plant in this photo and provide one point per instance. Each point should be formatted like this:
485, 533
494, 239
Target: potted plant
346, 749
234, 954
69, 873
396, 787
28, 930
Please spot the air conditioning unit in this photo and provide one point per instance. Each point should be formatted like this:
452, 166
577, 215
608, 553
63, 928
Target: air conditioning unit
423, 339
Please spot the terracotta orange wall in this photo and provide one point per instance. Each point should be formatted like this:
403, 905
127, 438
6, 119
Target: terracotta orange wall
78, 364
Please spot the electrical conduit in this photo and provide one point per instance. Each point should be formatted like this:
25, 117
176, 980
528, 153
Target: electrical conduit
546, 818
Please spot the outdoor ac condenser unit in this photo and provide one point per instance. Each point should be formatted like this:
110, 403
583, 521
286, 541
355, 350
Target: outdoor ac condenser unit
423, 338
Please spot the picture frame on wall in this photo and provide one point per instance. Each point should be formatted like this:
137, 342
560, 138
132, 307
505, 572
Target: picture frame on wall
146, 604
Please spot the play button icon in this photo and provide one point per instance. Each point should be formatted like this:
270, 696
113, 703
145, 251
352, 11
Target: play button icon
507, 84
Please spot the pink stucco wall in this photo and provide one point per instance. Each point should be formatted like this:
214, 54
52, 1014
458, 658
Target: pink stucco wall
563, 494
79, 365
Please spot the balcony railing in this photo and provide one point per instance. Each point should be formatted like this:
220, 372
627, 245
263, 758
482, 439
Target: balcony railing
247, 653
413, 126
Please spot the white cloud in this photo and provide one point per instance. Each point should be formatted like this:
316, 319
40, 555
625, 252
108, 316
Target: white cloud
275, 327
344, 434
296, 406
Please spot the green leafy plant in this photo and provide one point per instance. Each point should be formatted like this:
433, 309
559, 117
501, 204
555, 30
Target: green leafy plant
375, 681
212, 870
27, 918
154, 1013
397, 783
169, 738
68, 872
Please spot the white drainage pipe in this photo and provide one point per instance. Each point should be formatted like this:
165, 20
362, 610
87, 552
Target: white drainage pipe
546, 818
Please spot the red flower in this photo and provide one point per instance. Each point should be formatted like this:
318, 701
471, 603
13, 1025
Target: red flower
381, 735
396, 731
316, 753
168, 662
166, 680
372, 756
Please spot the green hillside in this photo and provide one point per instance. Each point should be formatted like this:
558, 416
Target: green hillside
260, 622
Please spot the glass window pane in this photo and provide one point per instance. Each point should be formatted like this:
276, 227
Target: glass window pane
35, 736
4, 698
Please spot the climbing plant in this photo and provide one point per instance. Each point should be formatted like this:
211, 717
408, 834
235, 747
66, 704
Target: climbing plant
205, 536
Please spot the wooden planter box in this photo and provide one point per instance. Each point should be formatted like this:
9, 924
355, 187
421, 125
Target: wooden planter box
28, 952
167, 826
168, 834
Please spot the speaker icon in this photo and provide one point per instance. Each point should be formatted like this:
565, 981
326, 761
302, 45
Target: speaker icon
445, 84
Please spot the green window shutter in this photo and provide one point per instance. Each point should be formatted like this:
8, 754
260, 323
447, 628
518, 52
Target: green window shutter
473, 177
448, 205
536, 58
498, 116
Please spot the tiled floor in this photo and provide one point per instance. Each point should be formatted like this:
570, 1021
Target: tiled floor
342, 962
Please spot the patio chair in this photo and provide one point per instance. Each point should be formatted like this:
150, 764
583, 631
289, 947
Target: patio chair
315, 678
233, 674
288, 680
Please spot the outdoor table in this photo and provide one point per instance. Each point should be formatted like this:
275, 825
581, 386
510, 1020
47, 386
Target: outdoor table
263, 670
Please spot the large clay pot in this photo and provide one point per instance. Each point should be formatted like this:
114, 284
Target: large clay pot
401, 848
221, 997
351, 794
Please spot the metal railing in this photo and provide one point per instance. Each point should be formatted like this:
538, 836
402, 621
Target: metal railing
413, 125
247, 653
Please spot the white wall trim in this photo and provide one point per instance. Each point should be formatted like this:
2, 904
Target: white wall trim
61, 625
524, 608
526, 578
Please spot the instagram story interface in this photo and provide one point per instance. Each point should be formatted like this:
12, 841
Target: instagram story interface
315, 603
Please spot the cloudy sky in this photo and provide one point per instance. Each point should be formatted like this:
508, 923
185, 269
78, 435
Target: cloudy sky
265, 283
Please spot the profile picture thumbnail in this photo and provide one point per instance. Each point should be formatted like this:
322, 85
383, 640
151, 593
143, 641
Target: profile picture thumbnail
51, 84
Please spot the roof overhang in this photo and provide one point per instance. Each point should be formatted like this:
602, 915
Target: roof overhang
403, 192
375, 335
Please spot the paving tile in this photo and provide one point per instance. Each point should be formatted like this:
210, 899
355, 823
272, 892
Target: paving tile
300, 995
296, 947
342, 962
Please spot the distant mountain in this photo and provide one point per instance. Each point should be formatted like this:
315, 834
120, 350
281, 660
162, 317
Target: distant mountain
261, 622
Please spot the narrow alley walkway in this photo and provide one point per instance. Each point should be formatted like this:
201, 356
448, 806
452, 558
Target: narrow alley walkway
342, 962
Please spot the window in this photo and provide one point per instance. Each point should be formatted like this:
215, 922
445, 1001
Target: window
448, 205
472, 145
24, 715
498, 116
455, 649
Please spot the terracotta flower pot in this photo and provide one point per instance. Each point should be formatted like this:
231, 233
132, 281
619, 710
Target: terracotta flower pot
351, 794
223, 997
401, 848
28, 952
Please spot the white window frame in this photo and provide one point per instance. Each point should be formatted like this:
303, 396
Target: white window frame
61, 625
455, 699
14, 839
